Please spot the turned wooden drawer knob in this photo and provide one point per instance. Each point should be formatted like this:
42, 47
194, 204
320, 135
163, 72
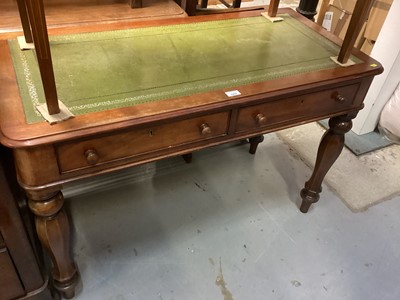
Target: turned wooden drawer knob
261, 119
205, 129
339, 98
91, 156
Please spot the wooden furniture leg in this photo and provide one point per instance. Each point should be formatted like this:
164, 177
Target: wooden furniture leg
53, 230
236, 3
136, 3
322, 11
329, 150
273, 8
203, 3
42, 47
254, 141
26, 27
360, 14
187, 157
189, 6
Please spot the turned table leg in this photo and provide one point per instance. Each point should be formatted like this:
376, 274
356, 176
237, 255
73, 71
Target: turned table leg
53, 229
254, 141
329, 150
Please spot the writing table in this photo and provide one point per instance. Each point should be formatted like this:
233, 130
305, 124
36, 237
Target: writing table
147, 90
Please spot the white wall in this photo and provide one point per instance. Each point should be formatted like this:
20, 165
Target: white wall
387, 52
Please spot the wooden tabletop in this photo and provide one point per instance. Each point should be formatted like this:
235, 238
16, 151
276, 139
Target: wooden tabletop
71, 13
16, 133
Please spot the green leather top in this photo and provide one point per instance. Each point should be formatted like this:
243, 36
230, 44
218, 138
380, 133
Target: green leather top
104, 70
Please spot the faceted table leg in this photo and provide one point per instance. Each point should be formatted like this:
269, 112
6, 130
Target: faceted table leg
329, 150
53, 230
254, 141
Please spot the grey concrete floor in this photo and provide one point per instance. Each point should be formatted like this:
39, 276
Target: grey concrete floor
228, 227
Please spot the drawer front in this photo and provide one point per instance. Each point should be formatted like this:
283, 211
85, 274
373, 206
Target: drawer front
87, 153
299, 107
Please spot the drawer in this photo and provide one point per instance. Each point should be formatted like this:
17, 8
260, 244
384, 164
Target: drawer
96, 151
298, 107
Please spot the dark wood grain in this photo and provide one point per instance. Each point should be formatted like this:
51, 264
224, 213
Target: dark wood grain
21, 270
357, 21
236, 3
16, 132
53, 229
189, 6
143, 140
46, 157
10, 285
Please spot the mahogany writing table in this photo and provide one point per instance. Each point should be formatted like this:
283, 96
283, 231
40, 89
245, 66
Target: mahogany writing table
167, 88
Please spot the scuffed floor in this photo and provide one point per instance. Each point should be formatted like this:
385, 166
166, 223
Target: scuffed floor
374, 176
228, 227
